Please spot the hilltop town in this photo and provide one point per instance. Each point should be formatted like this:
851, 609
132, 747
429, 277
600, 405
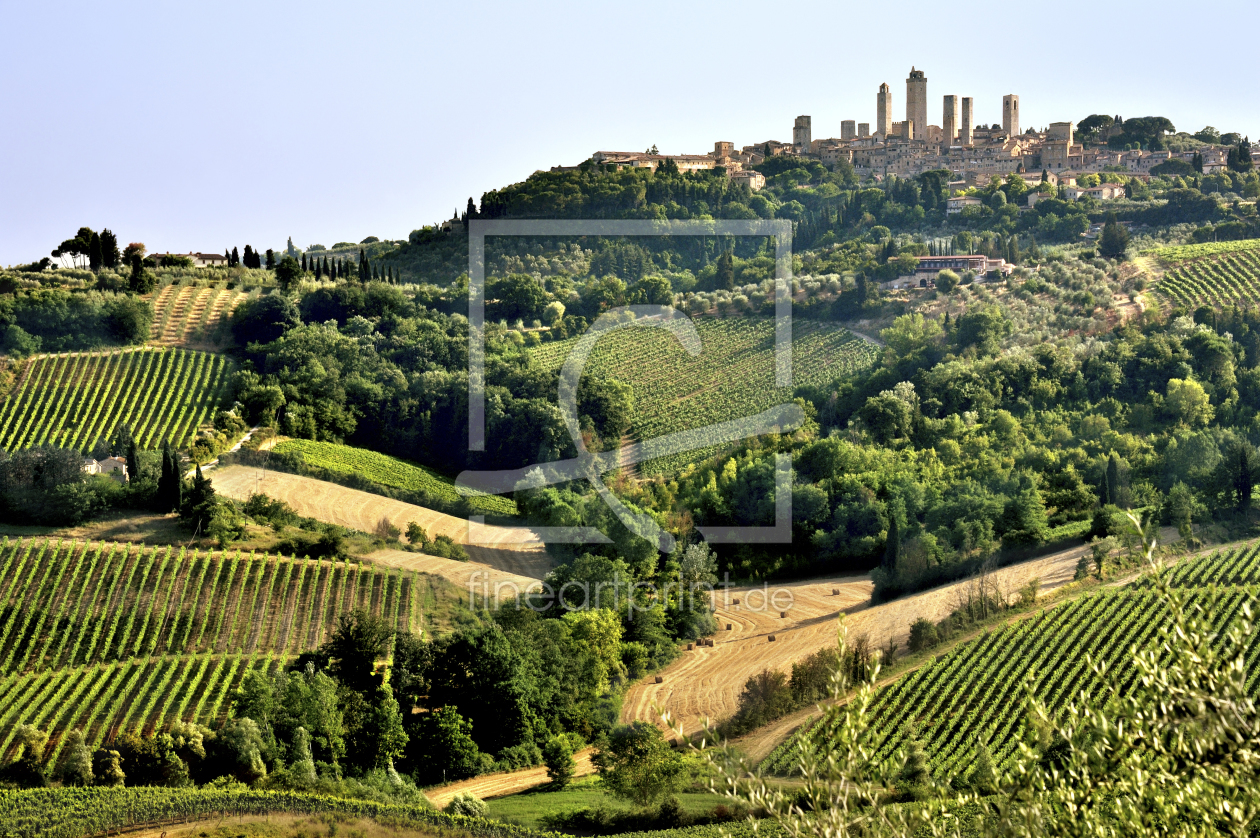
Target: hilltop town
1058, 153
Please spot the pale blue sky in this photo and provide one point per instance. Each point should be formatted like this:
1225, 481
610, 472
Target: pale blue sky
205, 126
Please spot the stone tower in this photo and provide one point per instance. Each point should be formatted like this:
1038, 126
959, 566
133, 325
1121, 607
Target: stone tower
1010, 114
949, 120
848, 129
964, 130
864, 129
801, 135
883, 110
916, 103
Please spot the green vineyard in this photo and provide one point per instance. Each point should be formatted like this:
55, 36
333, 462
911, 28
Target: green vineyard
110, 637
1218, 274
392, 472
973, 694
732, 377
71, 400
74, 812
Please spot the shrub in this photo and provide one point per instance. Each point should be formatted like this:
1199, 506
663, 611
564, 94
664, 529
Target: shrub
468, 805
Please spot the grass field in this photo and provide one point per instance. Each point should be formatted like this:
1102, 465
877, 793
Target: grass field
1215, 273
110, 637
392, 472
731, 378
973, 694
73, 399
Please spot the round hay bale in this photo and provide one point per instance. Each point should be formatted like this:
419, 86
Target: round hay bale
772, 638
782, 614
728, 626
660, 680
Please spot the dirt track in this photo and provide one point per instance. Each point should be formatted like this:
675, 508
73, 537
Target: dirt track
509, 554
706, 682
501, 785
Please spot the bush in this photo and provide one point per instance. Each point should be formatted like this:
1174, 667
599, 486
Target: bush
558, 757
923, 635
468, 805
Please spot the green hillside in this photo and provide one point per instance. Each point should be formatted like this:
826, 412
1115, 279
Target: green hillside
71, 400
974, 693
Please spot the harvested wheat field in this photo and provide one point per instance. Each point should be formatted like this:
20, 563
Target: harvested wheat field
705, 682
511, 782
513, 554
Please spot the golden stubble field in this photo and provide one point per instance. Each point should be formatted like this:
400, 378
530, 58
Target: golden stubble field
502, 555
705, 682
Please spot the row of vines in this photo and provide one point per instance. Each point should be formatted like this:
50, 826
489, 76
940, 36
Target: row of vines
109, 636
973, 695
733, 376
1229, 277
71, 400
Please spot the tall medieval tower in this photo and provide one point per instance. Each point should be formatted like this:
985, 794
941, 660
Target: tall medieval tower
964, 132
802, 135
1010, 114
916, 103
949, 120
883, 111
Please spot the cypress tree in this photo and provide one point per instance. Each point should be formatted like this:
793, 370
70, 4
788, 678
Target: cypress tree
236, 258
133, 460
1113, 480
164, 479
1243, 480
892, 547
303, 263
1114, 241
95, 256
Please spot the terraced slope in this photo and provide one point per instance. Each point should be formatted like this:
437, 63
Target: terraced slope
110, 637
73, 399
974, 693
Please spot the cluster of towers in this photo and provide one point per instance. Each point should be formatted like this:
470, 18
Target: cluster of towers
957, 124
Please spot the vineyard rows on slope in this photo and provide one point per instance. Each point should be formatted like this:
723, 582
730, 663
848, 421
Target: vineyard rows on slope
186, 314
973, 694
73, 812
111, 636
73, 399
1222, 273
731, 378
